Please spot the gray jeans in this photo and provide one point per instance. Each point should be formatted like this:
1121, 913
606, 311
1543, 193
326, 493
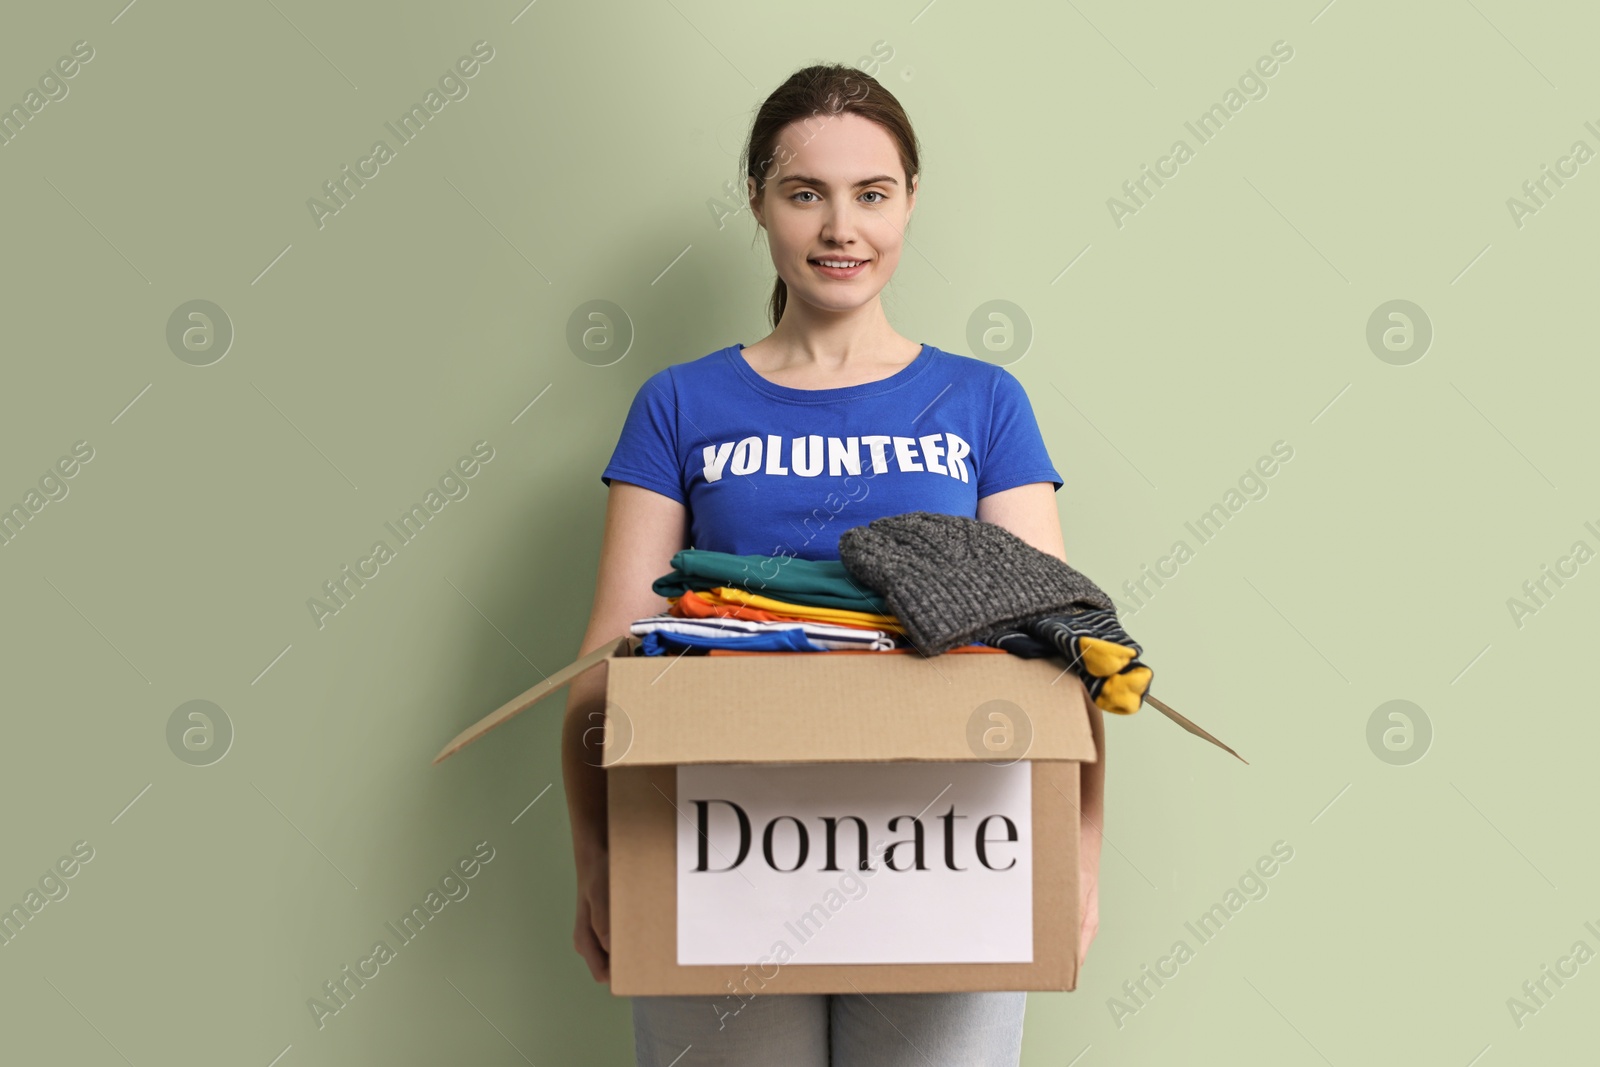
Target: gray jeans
842, 1030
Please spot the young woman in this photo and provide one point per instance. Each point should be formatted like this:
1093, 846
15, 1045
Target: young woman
830, 421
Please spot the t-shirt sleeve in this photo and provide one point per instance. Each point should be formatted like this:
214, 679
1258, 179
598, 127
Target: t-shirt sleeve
647, 449
1016, 454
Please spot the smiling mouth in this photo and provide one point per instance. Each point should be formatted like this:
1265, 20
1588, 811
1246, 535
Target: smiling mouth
838, 264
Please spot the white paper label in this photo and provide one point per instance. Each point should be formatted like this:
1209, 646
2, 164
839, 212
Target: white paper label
770, 863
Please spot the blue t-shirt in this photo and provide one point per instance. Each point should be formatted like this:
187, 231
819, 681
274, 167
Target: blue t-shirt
766, 469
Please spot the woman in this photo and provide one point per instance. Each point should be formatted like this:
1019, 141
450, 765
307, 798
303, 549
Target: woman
831, 420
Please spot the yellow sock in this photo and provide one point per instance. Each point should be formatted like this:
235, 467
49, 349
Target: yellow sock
1123, 693
1105, 658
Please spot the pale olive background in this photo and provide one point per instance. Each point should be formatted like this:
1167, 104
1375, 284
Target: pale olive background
369, 355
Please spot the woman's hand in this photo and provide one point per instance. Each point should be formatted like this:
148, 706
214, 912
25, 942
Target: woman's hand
1091, 815
591, 934
1088, 899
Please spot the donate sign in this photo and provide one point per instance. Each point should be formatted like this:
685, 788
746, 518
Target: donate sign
917, 862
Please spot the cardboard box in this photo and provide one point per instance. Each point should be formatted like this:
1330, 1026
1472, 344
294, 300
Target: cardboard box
985, 719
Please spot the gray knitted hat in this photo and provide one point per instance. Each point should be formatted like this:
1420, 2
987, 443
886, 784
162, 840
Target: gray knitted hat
950, 579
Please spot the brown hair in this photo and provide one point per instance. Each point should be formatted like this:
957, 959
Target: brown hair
835, 89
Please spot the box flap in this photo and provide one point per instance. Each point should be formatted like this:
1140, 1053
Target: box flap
823, 708
1193, 727
528, 697
833, 706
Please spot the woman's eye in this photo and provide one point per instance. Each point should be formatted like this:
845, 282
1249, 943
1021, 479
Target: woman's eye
870, 192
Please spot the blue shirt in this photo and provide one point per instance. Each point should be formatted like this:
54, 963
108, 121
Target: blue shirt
766, 469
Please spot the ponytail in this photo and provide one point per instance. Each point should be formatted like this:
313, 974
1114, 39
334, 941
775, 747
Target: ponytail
780, 299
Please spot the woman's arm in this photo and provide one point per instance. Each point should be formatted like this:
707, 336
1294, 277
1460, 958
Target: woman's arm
1029, 511
643, 530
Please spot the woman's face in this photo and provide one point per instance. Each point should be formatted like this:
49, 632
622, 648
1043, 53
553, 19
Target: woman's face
838, 194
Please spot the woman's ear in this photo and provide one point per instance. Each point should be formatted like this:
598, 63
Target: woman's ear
755, 203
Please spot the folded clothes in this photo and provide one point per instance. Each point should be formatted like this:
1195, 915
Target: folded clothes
659, 642
695, 605
987, 649
821, 634
938, 582
728, 596
819, 582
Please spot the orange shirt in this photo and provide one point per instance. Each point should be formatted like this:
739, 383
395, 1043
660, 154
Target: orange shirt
730, 603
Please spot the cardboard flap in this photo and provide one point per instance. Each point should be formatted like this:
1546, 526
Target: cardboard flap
534, 694
777, 708
829, 709
1192, 727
